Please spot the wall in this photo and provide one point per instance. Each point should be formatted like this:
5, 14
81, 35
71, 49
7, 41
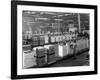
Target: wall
5, 38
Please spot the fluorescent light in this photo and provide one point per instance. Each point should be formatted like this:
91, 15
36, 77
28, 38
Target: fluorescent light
58, 19
52, 13
60, 15
41, 18
67, 14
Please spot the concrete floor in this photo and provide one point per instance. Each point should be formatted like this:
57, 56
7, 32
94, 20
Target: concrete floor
81, 60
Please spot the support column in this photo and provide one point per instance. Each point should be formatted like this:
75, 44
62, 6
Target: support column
79, 24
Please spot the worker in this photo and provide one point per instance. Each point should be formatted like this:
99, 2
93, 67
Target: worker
73, 43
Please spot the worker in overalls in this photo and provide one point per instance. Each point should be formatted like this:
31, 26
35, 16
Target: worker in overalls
74, 49
73, 46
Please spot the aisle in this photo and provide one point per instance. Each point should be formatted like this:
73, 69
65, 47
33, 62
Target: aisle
81, 60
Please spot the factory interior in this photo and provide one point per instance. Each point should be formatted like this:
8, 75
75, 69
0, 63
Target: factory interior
54, 39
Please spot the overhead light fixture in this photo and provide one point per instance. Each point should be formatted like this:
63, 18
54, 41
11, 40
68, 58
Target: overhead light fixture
28, 12
41, 18
33, 12
28, 23
67, 14
41, 12
58, 19
51, 13
60, 15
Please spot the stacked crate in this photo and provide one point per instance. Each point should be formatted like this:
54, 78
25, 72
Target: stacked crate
35, 41
40, 56
50, 53
41, 40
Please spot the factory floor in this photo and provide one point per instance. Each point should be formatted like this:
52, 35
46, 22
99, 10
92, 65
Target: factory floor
81, 60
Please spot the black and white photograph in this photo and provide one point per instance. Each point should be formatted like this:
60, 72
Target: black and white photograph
53, 39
